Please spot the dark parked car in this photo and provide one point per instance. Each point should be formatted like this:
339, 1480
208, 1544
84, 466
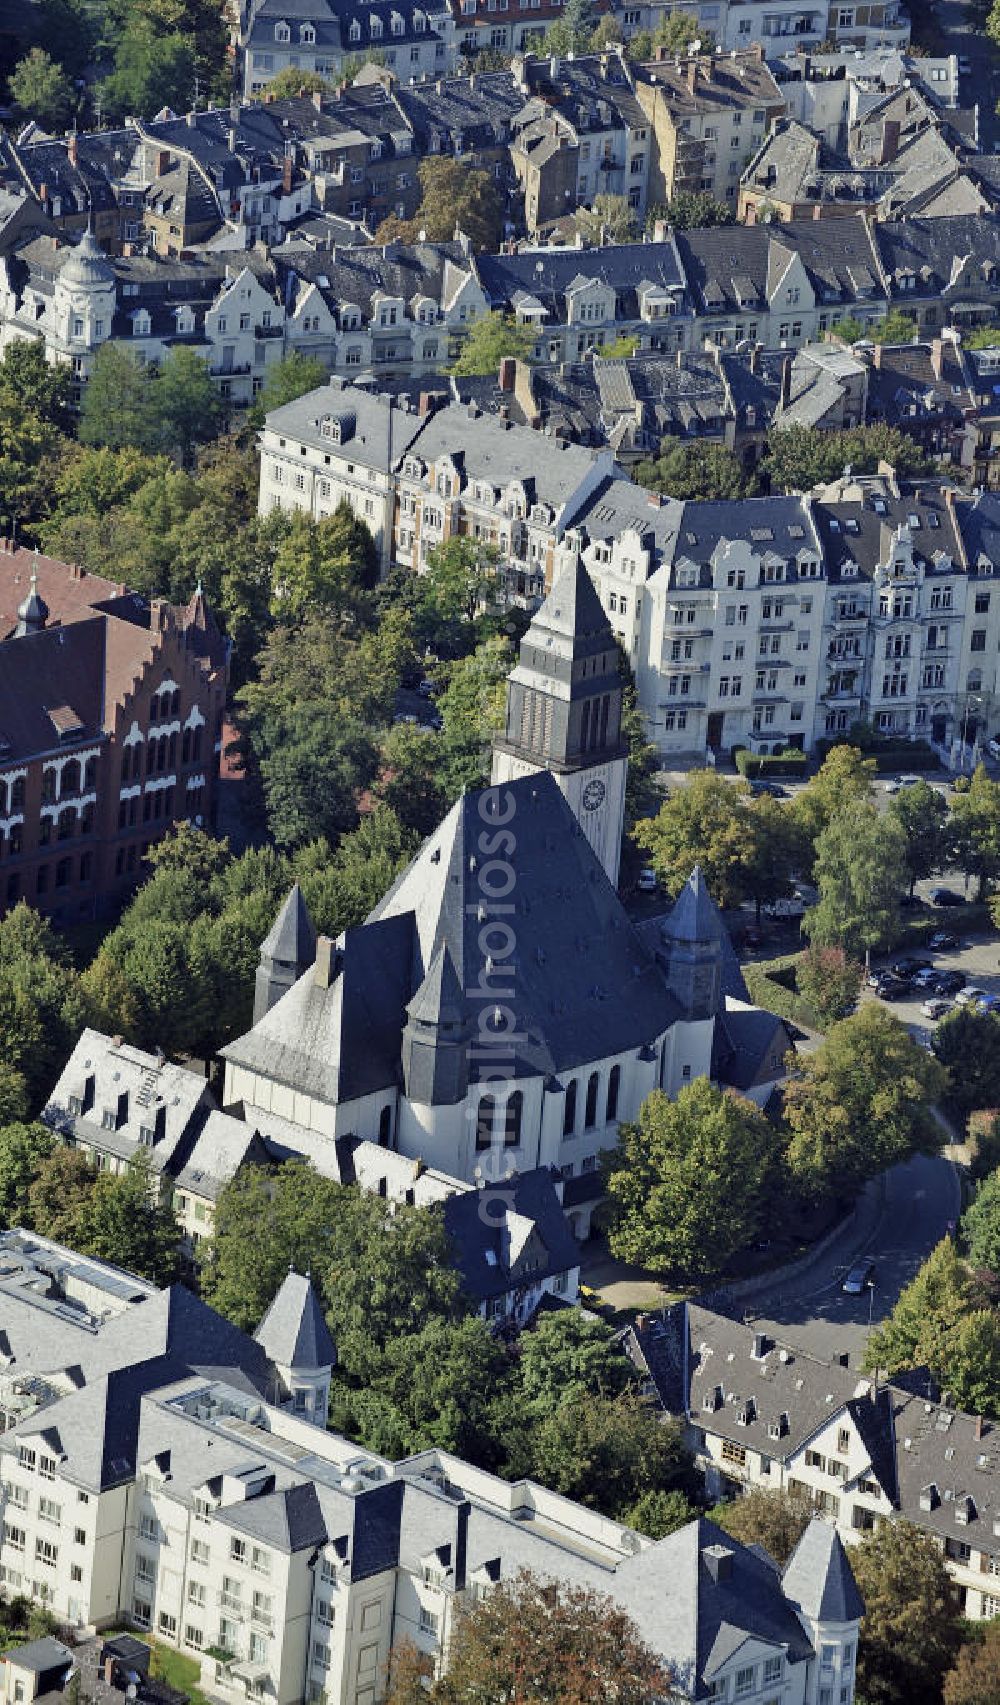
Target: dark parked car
774, 788
941, 941
949, 983
946, 897
910, 966
892, 989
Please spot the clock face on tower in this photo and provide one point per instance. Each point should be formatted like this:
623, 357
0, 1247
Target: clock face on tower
593, 795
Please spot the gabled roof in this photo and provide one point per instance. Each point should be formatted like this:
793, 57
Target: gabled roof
818, 1577
476, 1221
572, 617
294, 1332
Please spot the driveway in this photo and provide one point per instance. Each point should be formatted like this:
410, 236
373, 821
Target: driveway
921, 1201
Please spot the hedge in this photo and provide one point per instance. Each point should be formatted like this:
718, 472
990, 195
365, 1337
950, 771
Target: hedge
888, 754
754, 764
771, 984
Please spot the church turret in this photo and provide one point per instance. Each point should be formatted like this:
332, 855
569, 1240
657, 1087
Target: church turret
296, 1337
435, 1052
693, 935
286, 952
564, 712
32, 612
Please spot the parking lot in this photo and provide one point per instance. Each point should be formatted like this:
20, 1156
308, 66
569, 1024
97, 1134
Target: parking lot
978, 959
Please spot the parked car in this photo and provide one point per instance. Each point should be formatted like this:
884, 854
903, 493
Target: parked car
909, 966
892, 989
949, 982
926, 978
647, 883
774, 788
910, 781
935, 1007
970, 995
988, 1003
946, 897
942, 941
861, 1275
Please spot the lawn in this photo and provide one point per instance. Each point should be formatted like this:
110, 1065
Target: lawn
175, 1668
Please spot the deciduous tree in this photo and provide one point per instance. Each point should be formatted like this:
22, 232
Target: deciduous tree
298, 372
115, 408
454, 197
491, 339
798, 458
41, 90
860, 870
688, 1182
708, 821
975, 1678
968, 1045
910, 1633
922, 814
859, 1103
829, 982
694, 470
774, 1518
23, 1148
845, 777
186, 404
975, 825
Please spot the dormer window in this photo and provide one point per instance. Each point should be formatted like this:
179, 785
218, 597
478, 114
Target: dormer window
397, 24
140, 323
307, 34
282, 32
375, 27
419, 22
354, 33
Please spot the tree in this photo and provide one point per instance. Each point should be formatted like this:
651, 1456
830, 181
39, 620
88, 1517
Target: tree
709, 822
430, 1388
23, 1148
42, 1008
845, 777
14, 1102
125, 1221
692, 209
688, 1183
860, 870
778, 851
829, 982
529, 1639
151, 71
460, 585
266, 1221
688, 471
981, 1225
774, 1518
186, 405
59, 1196
975, 1678
33, 385
30, 449
343, 887
472, 712
609, 219
298, 373
41, 90
975, 827
897, 327
115, 408
847, 329
323, 567
911, 1632
966, 1043
454, 198
798, 458
292, 81
572, 31
608, 1452
658, 1513
680, 30
927, 1312
860, 1102
567, 1356
922, 814
409, 783
491, 339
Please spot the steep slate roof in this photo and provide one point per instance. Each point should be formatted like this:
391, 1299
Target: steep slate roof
703, 1621
376, 432
836, 253
818, 1577
290, 1519
861, 531
477, 1222
292, 937
547, 274
934, 250
294, 1332
749, 1045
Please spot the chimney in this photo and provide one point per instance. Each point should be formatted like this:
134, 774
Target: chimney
877, 355
43, 193
286, 175
508, 369
978, 1428
72, 147
786, 380
691, 75
937, 352
755, 358
317, 99
161, 162
718, 1560
192, 120
158, 615
890, 141
325, 966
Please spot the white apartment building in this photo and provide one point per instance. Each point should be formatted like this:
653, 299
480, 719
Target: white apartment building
763, 1413
193, 1496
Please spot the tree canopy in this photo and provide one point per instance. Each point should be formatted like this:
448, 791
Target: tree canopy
454, 197
771, 1517
692, 470
689, 1182
491, 339
799, 458
944, 1320
910, 1633
860, 871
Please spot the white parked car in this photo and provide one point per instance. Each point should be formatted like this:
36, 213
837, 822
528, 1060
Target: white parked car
935, 1008
926, 978
647, 883
969, 995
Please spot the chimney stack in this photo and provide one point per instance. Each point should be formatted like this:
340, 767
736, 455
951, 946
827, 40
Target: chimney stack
286, 175
508, 370
72, 147
979, 1428
325, 967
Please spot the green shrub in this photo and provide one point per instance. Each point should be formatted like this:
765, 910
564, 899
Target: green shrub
754, 764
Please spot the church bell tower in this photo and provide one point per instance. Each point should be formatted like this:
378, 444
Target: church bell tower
564, 712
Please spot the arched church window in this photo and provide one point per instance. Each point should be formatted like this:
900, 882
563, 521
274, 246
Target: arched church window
512, 1119
614, 1084
590, 1114
484, 1122
385, 1127
569, 1109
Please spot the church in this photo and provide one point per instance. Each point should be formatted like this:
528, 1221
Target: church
499, 1011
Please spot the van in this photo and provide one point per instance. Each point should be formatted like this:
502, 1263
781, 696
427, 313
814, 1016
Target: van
993, 747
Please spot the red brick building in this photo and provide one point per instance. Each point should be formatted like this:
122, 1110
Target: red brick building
110, 724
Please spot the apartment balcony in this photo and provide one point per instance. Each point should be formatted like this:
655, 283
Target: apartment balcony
230, 1601
237, 369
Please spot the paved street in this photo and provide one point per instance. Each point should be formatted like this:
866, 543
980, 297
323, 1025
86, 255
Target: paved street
921, 1199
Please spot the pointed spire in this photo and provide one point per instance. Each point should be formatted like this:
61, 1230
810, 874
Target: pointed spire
819, 1579
292, 937
294, 1331
695, 916
32, 612
571, 618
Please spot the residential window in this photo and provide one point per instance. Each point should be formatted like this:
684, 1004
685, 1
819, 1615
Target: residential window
745, 1680
733, 1453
